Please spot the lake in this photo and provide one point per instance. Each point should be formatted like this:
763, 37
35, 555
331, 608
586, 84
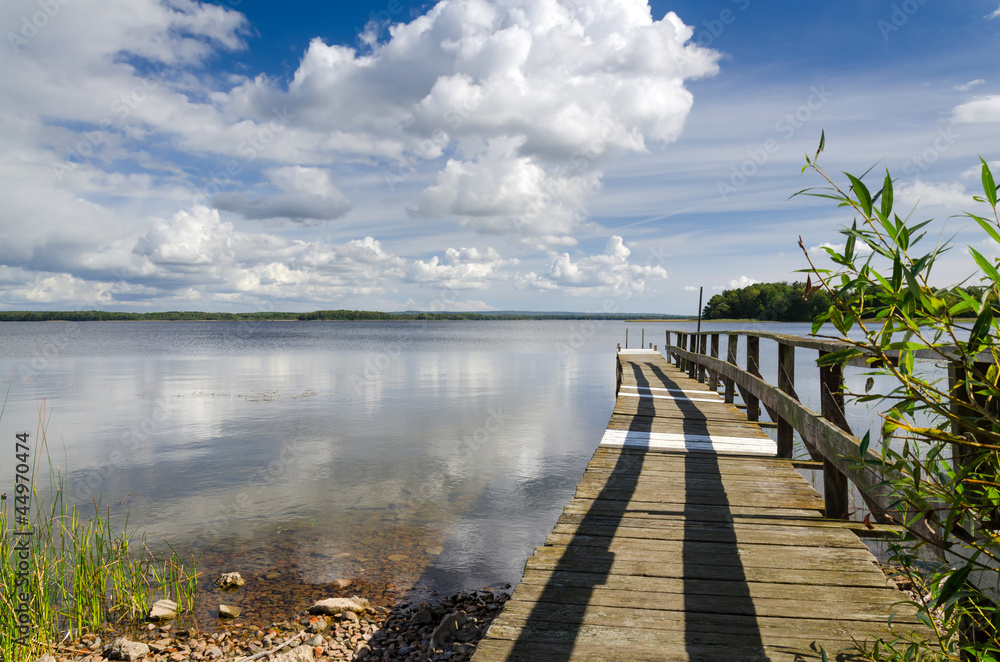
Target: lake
432, 456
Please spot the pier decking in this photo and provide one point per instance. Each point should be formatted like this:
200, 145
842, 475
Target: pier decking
688, 539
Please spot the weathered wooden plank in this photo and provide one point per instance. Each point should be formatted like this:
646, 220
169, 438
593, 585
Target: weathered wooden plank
663, 424
647, 568
684, 606
761, 500
696, 482
505, 650
542, 631
884, 596
670, 623
718, 555
801, 536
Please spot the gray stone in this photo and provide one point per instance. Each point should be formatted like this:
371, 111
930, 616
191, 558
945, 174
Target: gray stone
422, 617
123, 649
351, 616
362, 652
341, 583
449, 624
229, 611
319, 625
229, 581
332, 606
315, 640
163, 610
300, 654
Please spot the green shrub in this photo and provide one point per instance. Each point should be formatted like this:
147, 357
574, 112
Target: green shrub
940, 438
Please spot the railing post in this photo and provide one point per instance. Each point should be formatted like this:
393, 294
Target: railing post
835, 485
753, 367
693, 365
666, 345
786, 383
713, 376
702, 349
731, 358
681, 344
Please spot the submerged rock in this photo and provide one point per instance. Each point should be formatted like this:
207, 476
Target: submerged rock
163, 610
332, 606
228, 611
230, 580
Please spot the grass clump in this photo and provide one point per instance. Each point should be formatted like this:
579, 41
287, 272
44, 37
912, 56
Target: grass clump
64, 573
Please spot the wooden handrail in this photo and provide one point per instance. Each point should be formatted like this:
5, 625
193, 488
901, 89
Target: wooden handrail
943, 352
829, 441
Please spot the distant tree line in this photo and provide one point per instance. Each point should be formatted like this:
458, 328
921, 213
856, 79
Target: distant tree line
784, 302
319, 315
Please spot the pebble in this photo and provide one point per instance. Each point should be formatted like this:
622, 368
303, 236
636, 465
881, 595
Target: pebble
379, 633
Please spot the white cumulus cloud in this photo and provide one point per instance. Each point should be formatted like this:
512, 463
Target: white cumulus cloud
309, 194
978, 111
608, 273
461, 269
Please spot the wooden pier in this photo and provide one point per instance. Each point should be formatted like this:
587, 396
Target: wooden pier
689, 539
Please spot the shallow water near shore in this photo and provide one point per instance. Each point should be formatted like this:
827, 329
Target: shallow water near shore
400, 456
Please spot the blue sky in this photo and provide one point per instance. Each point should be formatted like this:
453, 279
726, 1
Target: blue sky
588, 155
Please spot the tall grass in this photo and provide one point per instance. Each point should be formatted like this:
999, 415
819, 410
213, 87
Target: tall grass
84, 573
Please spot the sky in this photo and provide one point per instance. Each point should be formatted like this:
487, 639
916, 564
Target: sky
533, 155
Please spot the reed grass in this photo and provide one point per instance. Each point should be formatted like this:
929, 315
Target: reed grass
84, 575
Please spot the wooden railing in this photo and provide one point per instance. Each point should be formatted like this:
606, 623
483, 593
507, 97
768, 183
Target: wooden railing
826, 435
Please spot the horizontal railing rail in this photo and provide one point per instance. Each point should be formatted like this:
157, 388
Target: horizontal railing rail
826, 434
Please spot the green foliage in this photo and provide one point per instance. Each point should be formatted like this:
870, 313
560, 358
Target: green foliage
774, 302
940, 441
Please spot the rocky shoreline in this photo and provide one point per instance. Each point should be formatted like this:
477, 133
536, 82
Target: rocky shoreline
345, 629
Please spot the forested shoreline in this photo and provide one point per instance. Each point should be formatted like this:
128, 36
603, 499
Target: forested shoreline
784, 302
318, 315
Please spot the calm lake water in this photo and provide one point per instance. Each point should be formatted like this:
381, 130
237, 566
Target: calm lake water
434, 455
